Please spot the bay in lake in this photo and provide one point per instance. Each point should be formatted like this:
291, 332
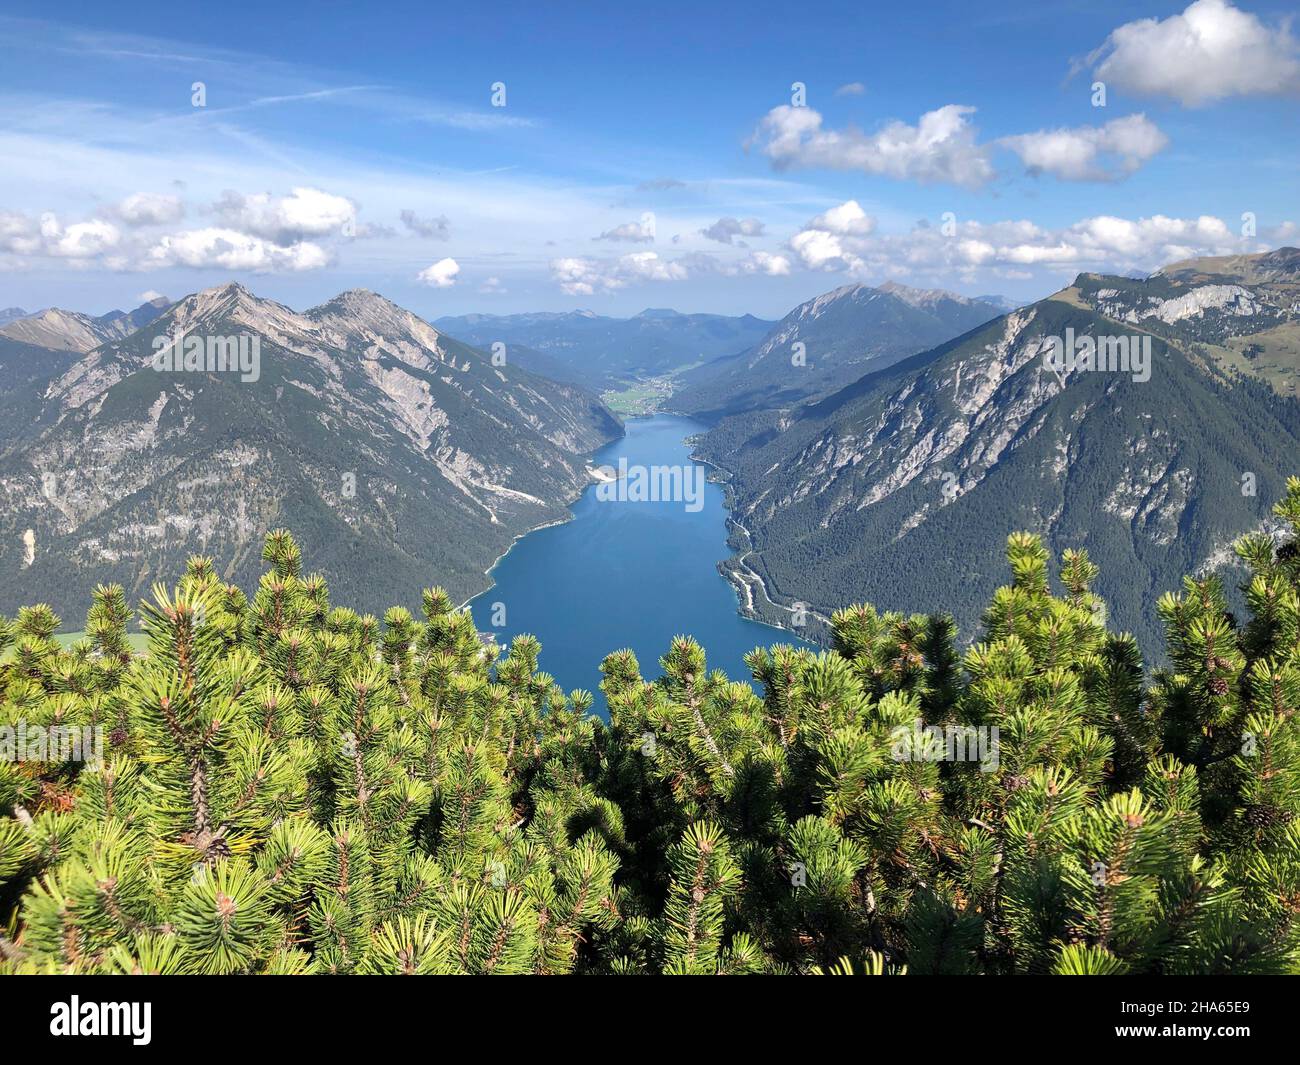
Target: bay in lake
626, 573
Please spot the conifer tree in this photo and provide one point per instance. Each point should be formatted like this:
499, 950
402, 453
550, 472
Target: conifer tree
282, 785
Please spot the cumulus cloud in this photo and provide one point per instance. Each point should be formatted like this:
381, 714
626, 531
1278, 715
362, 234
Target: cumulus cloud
1101, 242
434, 228
20, 235
1090, 153
726, 230
762, 262
149, 209
16, 232
305, 212
765, 263
843, 240
255, 233
642, 232
848, 219
941, 147
586, 277
1211, 51
81, 240
819, 250
820, 245
441, 274
229, 249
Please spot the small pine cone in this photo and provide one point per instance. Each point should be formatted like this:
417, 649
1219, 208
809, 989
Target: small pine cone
1014, 782
117, 736
1218, 686
1265, 815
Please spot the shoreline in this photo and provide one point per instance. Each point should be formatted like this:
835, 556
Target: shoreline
737, 558
567, 517
738, 588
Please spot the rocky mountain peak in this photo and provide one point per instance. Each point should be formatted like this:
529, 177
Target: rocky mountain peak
1281, 265
921, 297
361, 320
232, 308
63, 330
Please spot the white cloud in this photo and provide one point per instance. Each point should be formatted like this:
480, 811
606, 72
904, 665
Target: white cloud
1105, 243
1090, 153
149, 296
820, 250
641, 232
80, 240
848, 219
762, 262
305, 212
441, 274
230, 249
577, 277
1211, 51
725, 230
586, 277
819, 245
941, 147
100, 242
853, 88
149, 209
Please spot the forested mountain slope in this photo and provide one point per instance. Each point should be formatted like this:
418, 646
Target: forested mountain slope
393, 449
889, 489
281, 785
825, 343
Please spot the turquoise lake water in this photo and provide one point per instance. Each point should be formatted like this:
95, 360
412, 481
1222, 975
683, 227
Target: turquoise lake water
626, 573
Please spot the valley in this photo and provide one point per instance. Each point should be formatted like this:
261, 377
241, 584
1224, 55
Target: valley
626, 575
896, 487
639, 397
719, 489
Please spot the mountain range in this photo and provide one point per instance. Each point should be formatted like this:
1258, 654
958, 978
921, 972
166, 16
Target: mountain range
888, 465
825, 343
63, 330
399, 456
600, 352
901, 487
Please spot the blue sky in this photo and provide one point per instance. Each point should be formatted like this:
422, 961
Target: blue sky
644, 156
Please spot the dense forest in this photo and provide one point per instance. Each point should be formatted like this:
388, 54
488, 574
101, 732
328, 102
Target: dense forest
899, 488
287, 786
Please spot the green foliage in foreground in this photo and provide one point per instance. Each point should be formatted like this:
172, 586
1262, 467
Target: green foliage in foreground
288, 787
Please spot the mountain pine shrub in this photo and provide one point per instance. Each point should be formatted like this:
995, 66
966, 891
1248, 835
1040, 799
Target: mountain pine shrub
289, 787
